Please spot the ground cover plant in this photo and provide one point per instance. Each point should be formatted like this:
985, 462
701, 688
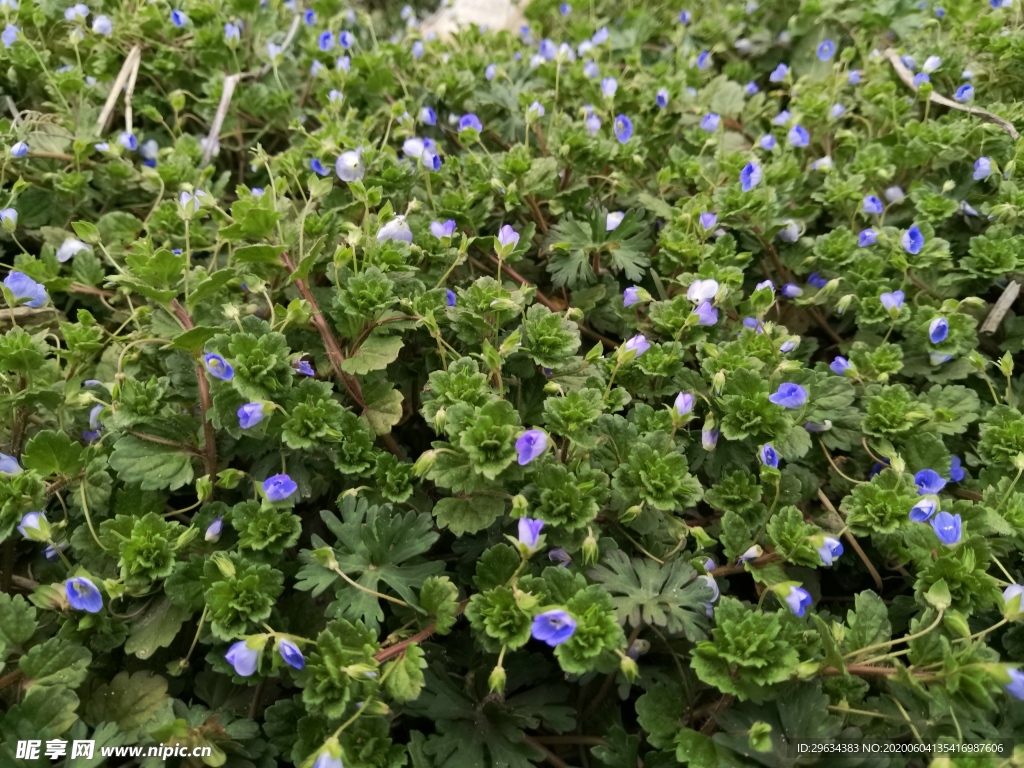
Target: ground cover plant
633, 389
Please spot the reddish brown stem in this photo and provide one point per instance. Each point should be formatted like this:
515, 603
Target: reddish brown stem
727, 570
549, 756
205, 401
399, 648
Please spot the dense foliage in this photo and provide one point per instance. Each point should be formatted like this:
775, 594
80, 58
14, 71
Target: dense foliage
625, 390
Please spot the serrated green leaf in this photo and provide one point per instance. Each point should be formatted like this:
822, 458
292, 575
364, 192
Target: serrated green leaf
375, 354
56, 662
152, 466
53, 453
405, 681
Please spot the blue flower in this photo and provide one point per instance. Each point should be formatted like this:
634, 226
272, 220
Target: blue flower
982, 168
837, 111
490, 72
683, 403
593, 123
303, 367
72, 12
767, 142
709, 438
661, 98
630, 296
345, 39
790, 233
128, 141
782, 118
547, 49
529, 533
279, 487
469, 120
600, 37
349, 166
449, 297
894, 194
397, 229
83, 595
956, 470
779, 74
940, 13
792, 291
893, 301
752, 553
706, 313
325, 40
929, 482
872, 204
290, 653
708, 221
816, 280
789, 395
1016, 685
685, 17
213, 530
430, 160
637, 344
243, 658
232, 32
937, 358
920, 79
417, 49
912, 240
26, 289
250, 414
218, 367
924, 509
591, 70
565, 9
34, 526
530, 445
853, 77
830, 549
867, 237
826, 50
938, 330
442, 229
840, 365
94, 417
609, 86
704, 60
553, 627
623, 129
508, 238
750, 176
964, 93
798, 600
19, 149
309, 17
178, 18
318, 167
9, 465
428, 116
710, 122
102, 25
947, 527
9, 35
931, 64
768, 455
327, 760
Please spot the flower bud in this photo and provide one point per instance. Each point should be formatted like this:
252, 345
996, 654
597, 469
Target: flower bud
631, 514
519, 505
956, 623
844, 303
440, 418
424, 463
1013, 602
325, 557
590, 548
496, 681
628, 668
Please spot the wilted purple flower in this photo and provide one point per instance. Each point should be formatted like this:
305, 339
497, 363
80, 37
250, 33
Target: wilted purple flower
840, 365
894, 194
768, 455
213, 530
923, 509
947, 527
790, 233
630, 296
683, 403
592, 123
938, 330
290, 653
964, 93
779, 74
872, 204
792, 291
20, 149
710, 122
929, 481
623, 129
638, 344
836, 111
279, 487
553, 627
750, 176
704, 60
303, 367
232, 33
25, 288
982, 168
798, 600
706, 313
798, 136
853, 77
243, 658
789, 395
709, 438
956, 470
912, 240
822, 163
893, 301
469, 120
867, 237
782, 118
817, 281
530, 445
529, 533
218, 367
250, 414
83, 595
830, 549
931, 64
826, 50
612, 220
560, 556
102, 25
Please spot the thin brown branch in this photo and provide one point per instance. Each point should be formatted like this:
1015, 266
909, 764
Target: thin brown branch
554, 741
549, 756
163, 441
11, 678
399, 648
852, 540
205, 400
537, 215
728, 570
89, 290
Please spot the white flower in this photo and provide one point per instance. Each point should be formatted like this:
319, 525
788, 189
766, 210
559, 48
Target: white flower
702, 290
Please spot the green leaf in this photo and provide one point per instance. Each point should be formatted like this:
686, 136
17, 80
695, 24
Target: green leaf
155, 628
56, 662
259, 254
46, 711
194, 339
151, 465
384, 410
668, 596
439, 597
376, 353
17, 620
468, 515
132, 700
405, 681
53, 453
868, 624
